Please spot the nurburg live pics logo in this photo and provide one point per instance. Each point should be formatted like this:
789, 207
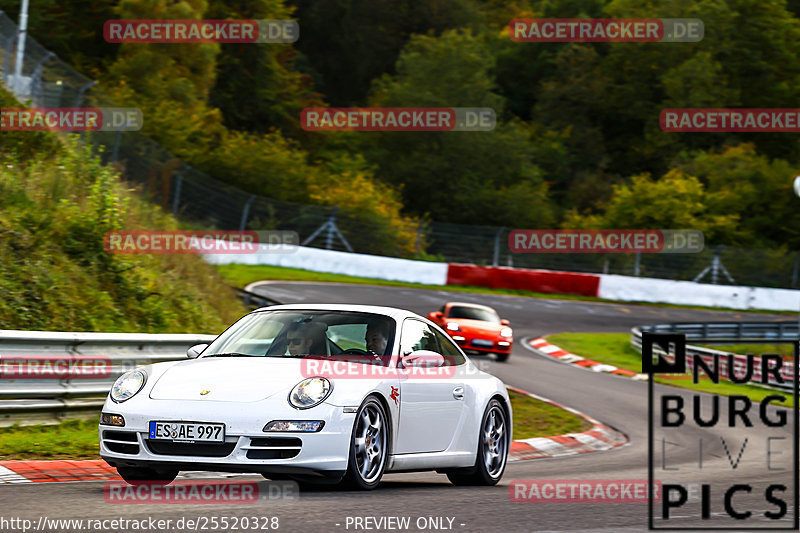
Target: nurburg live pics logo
743, 460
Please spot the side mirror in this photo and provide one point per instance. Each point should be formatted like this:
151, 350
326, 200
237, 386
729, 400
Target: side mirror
195, 350
436, 315
423, 359
504, 322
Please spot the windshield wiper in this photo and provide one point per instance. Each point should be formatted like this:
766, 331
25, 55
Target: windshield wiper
229, 354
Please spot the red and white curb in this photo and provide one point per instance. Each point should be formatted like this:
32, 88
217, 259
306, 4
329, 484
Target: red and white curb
541, 345
599, 438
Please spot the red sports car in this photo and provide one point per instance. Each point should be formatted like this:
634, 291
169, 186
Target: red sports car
476, 328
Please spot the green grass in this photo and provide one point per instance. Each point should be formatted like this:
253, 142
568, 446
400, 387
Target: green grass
77, 439
243, 275
615, 349
535, 418
74, 439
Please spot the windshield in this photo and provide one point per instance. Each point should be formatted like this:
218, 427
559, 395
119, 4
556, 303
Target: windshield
304, 333
474, 313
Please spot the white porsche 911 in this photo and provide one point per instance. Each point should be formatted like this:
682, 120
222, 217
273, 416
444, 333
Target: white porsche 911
315, 393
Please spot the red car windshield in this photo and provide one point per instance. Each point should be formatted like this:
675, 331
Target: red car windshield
473, 313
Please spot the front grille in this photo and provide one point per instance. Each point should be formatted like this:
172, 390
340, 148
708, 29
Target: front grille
274, 447
183, 448
121, 442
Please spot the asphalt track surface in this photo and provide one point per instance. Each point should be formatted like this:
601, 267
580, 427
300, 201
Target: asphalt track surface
617, 401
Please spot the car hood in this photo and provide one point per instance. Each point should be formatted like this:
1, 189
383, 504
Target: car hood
477, 326
228, 379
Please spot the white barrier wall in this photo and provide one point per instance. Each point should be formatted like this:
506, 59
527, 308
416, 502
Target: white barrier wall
331, 261
611, 287
631, 289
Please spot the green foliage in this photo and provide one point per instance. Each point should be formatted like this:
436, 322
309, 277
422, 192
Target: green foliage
676, 201
55, 274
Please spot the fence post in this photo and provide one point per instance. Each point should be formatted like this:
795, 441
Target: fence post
418, 240
81, 91
178, 186
637, 264
9, 55
496, 257
36, 78
115, 150
246, 212
794, 271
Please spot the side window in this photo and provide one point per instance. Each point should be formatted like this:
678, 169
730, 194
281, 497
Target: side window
417, 336
450, 351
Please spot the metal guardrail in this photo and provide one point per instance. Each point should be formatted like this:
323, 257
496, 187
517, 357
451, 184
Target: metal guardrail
42, 400
726, 332
729, 332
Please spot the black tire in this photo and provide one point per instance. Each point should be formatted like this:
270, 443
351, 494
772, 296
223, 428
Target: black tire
146, 476
482, 473
502, 357
376, 438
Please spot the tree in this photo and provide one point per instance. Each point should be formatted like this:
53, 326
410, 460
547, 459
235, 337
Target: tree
169, 83
676, 201
348, 43
258, 87
456, 176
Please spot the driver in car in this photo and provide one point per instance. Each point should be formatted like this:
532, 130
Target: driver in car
306, 338
377, 337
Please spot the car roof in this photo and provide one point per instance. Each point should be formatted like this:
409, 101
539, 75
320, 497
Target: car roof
467, 304
394, 312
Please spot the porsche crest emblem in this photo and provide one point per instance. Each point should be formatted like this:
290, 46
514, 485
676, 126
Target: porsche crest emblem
204, 392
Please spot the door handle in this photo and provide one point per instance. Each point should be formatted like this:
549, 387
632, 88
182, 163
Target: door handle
458, 393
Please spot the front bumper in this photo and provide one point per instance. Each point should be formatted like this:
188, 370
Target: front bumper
467, 343
247, 448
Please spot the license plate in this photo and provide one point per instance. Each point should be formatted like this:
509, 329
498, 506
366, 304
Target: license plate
187, 431
482, 342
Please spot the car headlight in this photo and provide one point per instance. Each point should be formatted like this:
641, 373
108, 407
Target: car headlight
453, 326
310, 393
505, 332
127, 385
